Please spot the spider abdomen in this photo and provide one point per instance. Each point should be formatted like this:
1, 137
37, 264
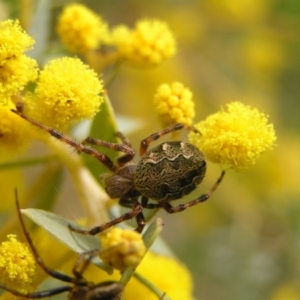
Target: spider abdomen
169, 171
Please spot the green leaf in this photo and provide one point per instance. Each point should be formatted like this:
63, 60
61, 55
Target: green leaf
59, 228
152, 232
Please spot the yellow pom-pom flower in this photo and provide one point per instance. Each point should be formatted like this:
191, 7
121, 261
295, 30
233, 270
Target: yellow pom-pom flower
14, 40
166, 273
148, 45
67, 90
235, 137
16, 68
174, 104
80, 29
122, 248
17, 265
15, 74
15, 133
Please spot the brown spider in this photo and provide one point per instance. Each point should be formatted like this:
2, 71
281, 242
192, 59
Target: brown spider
79, 288
165, 173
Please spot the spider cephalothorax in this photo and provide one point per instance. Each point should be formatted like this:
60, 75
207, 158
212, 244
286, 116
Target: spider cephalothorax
164, 173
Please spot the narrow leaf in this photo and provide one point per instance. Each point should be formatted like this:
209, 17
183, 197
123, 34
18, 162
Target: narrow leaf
59, 228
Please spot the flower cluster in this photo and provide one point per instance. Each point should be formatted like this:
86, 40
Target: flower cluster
17, 69
148, 45
17, 265
80, 29
174, 104
122, 248
67, 90
235, 137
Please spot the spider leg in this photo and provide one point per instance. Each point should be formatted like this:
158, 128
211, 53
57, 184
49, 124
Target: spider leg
38, 295
136, 209
140, 219
80, 147
125, 148
145, 203
128, 156
123, 138
83, 261
155, 136
171, 209
40, 262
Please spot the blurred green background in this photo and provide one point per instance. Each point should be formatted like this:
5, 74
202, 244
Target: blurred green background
244, 243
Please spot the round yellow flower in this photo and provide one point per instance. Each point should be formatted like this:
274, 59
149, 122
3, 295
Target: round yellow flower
16, 72
67, 90
122, 248
17, 265
80, 29
14, 40
235, 137
15, 133
174, 104
148, 45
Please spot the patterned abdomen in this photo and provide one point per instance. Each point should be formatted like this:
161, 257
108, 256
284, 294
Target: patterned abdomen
169, 171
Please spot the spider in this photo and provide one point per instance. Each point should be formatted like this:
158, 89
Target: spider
164, 173
79, 288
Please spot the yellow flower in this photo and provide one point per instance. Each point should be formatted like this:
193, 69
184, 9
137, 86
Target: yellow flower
17, 265
67, 90
122, 248
148, 45
80, 29
13, 40
16, 72
167, 274
235, 137
16, 68
15, 133
174, 104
